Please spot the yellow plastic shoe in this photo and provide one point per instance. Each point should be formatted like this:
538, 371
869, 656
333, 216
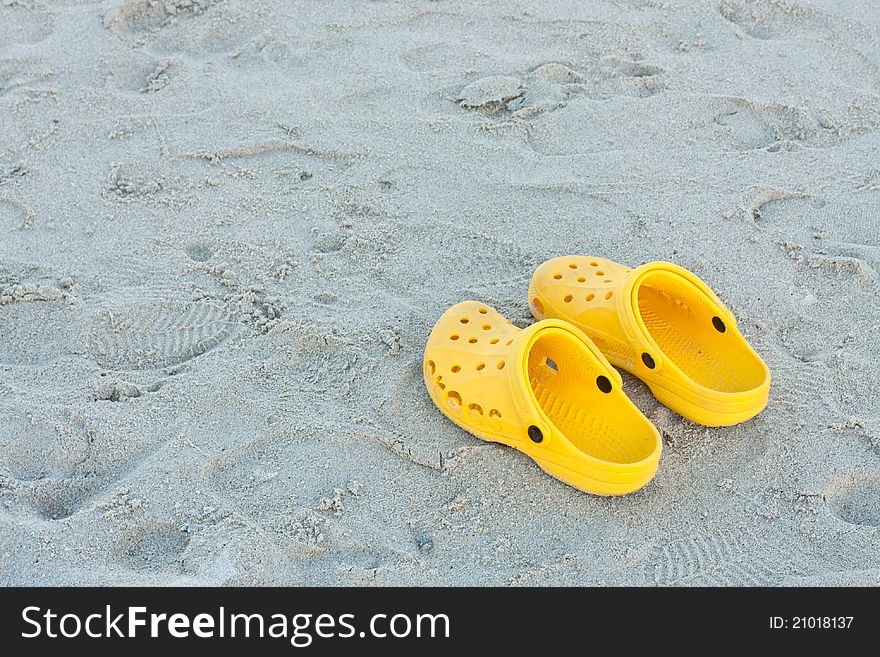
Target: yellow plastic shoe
664, 325
545, 390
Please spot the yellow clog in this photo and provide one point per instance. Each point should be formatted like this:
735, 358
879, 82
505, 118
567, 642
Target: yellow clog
545, 390
664, 325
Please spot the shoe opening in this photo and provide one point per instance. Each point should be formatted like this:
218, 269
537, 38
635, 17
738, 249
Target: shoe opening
684, 323
585, 405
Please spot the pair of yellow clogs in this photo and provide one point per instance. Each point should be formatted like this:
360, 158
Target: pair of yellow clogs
550, 390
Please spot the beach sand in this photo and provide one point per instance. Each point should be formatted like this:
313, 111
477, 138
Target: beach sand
229, 226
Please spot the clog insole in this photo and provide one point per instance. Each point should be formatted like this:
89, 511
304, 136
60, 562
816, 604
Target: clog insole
680, 319
563, 374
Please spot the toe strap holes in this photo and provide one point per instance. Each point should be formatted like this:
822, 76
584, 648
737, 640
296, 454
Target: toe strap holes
603, 384
567, 298
483, 311
557, 277
719, 324
481, 366
464, 320
456, 369
487, 327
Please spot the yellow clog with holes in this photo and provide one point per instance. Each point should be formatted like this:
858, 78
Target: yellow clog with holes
545, 390
664, 325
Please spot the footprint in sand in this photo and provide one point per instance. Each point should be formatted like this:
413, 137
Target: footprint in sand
757, 203
755, 125
144, 74
56, 459
768, 19
44, 469
834, 261
156, 334
721, 557
474, 258
195, 27
145, 15
199, 251
310, 360
330, 242
56, 499
855, 498
151, 546
491, 94
551, 85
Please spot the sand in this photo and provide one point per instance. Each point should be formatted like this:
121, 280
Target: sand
229, 226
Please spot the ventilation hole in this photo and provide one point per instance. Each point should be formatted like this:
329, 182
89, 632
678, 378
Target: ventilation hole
483, 311
440, 383
591, 296
454, 399
594, 264
481, 366
718, 324
609, 294
495, 413
473, 341
487, 327
430, 367
493, 341
557, 276
571, 265
603, 383
607, 280
536, 302
456, 369
648, 361
551, 365
501, 365
535, 434
509, 342
567, 298
582, 279
454, 336
464, 320
475, 409
600, 273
